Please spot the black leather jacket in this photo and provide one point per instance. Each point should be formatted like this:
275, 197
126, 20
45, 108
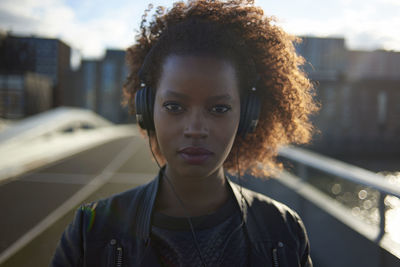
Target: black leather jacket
116, 231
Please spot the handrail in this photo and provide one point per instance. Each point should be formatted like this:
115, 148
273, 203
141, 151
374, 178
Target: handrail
341, 169
344, 171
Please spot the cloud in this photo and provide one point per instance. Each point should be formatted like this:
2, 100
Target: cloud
91, 26
87, 26
46, 18
11, 21
53, 18
364, 24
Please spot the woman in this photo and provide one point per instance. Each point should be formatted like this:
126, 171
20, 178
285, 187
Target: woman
217, 88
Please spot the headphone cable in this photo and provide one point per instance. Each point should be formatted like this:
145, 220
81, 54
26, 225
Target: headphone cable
187, 213
181, 203
240, 183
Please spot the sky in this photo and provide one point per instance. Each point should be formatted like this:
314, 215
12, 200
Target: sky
90, 27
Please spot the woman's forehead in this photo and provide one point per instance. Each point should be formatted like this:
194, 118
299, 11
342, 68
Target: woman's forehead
189, 74
206, 63
210, 96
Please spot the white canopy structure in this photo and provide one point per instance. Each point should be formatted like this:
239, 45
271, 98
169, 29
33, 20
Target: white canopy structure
53, 135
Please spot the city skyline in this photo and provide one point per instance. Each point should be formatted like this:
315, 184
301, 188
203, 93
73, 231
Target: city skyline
90, 27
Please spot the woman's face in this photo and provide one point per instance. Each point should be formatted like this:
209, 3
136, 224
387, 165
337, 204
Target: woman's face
196, 113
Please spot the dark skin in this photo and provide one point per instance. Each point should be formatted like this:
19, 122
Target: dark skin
198, 105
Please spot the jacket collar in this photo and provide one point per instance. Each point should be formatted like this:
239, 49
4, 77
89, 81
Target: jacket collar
148, 197
256, 230
239, 197
145, 205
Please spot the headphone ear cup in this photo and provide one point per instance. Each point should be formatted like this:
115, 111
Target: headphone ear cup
249, 113
253, 113
150, 109
139, 107
243, 110
144, 103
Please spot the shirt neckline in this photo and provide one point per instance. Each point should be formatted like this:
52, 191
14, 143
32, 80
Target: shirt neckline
164, 221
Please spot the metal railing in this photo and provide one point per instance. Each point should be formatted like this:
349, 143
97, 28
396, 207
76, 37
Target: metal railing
304, 158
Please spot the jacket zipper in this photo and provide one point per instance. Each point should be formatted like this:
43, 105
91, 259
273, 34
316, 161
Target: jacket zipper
116, 253
275, 260
119, 257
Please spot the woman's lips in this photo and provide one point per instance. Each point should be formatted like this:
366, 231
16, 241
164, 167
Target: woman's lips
195, 155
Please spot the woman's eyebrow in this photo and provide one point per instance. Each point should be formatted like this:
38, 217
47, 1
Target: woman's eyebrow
170, 93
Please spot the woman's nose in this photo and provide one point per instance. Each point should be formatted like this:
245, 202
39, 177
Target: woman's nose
196, 125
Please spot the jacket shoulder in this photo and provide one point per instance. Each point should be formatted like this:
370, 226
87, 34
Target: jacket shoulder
97, 222
281, 223
113, 211
119, 198
262, 202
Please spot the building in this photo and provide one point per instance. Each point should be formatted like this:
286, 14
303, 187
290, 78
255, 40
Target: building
90, 83
325, 57
113, 72
379, 64
22, 95
99, 83
45, 56
359, 93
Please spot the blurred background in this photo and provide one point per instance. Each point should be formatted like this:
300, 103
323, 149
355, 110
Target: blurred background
65, 139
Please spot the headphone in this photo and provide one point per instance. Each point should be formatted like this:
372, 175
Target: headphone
250, 107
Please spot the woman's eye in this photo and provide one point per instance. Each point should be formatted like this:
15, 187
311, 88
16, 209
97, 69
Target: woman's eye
173, 107
221, 108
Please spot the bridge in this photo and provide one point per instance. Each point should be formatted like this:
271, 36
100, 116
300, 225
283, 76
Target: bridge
55, 161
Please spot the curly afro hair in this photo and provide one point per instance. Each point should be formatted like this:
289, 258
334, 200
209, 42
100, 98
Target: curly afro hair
238, 31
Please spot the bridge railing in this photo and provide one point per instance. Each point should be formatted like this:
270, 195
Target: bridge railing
305, 160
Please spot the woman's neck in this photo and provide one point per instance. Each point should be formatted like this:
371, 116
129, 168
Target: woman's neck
191, 196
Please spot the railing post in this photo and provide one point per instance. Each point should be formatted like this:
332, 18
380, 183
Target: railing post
302, 171
382, 217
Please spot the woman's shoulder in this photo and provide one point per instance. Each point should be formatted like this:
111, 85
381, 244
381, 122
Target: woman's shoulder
125, 197
273, 214
117, 206
101, 222
259, 202
277, 224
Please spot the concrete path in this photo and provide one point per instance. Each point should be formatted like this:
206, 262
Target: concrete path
34, 201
